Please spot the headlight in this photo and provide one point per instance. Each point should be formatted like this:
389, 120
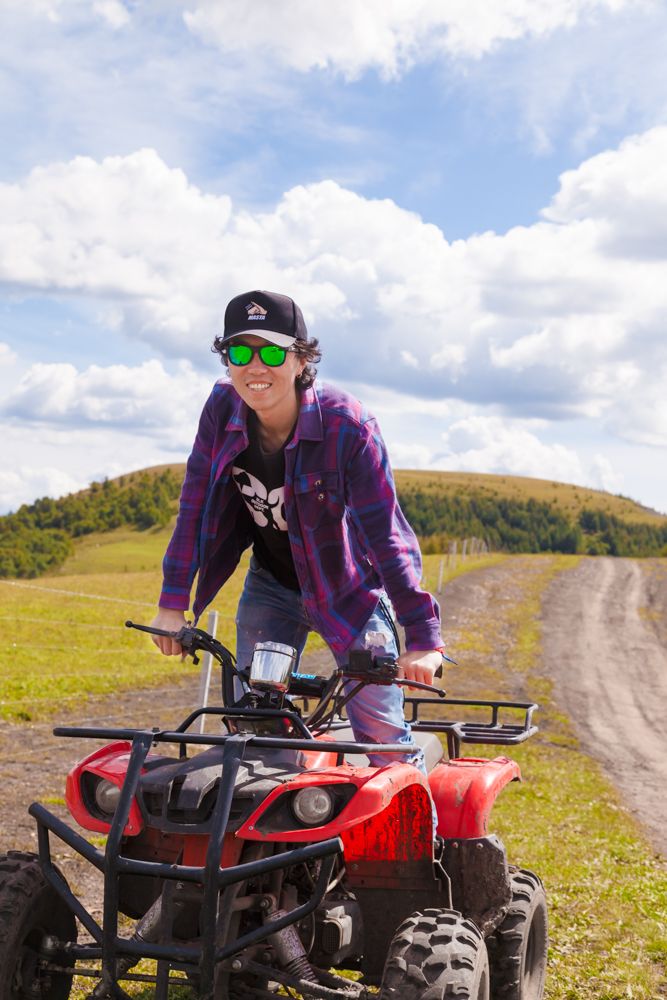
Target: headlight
106, 796
312, 806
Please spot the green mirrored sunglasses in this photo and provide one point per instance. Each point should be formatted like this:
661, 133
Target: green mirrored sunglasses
269, 354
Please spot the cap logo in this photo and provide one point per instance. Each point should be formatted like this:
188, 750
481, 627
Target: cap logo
256, 311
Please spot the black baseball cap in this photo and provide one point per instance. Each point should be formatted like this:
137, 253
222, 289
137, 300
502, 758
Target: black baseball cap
274, 317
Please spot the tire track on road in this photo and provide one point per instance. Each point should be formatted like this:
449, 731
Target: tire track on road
610, 675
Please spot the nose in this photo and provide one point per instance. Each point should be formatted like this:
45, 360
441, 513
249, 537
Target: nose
256, 364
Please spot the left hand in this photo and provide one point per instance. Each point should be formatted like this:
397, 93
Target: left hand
419, 665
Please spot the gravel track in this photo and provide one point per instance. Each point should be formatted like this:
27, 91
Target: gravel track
604, 646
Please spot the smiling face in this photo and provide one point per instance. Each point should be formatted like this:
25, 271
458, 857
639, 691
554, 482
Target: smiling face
270, 392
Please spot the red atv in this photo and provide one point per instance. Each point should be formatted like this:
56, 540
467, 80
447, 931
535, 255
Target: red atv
274, 855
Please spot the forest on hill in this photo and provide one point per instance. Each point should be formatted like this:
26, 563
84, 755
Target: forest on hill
512, 524
37, 538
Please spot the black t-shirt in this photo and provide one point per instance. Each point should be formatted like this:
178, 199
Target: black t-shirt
260, 477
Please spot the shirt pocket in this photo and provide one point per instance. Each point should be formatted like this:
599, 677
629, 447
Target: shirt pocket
319, 499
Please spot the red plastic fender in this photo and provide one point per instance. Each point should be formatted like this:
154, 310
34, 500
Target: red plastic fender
464, 791
373, 815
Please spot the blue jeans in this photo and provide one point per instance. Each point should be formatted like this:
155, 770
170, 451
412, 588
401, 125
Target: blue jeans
269, 611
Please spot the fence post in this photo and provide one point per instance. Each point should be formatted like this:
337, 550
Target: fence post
440, 574
205, 673
464, 549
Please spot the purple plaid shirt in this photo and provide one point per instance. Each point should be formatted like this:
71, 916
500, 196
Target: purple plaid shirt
348, 535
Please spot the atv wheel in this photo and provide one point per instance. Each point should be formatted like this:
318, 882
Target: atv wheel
30, 909
436, 954
518, 947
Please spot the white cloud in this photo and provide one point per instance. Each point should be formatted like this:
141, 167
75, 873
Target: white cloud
113, 12
555, 319
386, 35
23, 483
568, 90
624, 190
7, 356
63, 459
145, 399
490, 444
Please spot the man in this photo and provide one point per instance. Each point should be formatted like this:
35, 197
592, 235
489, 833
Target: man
300, 472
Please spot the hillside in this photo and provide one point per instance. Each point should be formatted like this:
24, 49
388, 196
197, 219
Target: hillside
569, 499
512, 514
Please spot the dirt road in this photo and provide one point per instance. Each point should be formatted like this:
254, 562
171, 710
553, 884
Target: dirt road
604, 645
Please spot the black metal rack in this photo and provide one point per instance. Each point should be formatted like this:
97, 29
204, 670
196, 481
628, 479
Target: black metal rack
493, 731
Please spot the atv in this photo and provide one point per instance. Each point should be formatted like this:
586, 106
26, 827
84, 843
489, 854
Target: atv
270, 857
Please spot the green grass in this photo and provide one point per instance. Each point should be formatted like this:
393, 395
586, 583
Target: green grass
121, 551
64, 638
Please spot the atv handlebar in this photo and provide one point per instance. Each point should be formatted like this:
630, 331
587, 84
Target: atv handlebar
362, 667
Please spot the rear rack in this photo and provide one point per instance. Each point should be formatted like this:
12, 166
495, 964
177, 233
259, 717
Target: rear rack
493, 731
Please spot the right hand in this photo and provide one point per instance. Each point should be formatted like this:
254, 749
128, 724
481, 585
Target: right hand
170, 620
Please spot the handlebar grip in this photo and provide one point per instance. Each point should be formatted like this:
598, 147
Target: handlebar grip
307, 685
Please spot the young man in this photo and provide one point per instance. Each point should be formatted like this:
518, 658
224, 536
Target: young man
300, 472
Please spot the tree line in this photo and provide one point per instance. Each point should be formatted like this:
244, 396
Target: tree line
39, 537
526, 525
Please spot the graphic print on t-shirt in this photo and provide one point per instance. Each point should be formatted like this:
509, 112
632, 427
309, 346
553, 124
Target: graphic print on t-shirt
266, 506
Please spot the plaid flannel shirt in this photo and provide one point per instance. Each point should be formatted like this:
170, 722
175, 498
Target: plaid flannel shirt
348, 535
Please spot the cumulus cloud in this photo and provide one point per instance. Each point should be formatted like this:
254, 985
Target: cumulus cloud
559, 319
624, 190
385, 35
62, 459
146, 399
22, 483
491, 444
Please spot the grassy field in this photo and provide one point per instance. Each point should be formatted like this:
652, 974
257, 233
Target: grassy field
63, 636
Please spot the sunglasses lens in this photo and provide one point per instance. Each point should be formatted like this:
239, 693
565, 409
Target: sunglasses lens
239, 354
272, 355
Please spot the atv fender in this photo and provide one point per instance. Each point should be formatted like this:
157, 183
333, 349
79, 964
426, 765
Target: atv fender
383, 818
464, 791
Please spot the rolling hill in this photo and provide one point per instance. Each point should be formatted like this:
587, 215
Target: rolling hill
510, 513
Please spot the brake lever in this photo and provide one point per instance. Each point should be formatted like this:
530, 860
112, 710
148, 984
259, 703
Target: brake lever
150, 629
418, 684
192, 640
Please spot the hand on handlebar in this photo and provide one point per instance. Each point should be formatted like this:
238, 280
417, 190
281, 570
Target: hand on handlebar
170, 620
419, 665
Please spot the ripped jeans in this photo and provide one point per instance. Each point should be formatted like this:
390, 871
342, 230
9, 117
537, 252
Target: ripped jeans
269, 611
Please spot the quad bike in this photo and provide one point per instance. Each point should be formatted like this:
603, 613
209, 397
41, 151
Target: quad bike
271, 856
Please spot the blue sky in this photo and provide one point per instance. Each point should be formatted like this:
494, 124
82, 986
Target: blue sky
468, 201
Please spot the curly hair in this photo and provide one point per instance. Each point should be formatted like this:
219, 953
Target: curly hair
306, 350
